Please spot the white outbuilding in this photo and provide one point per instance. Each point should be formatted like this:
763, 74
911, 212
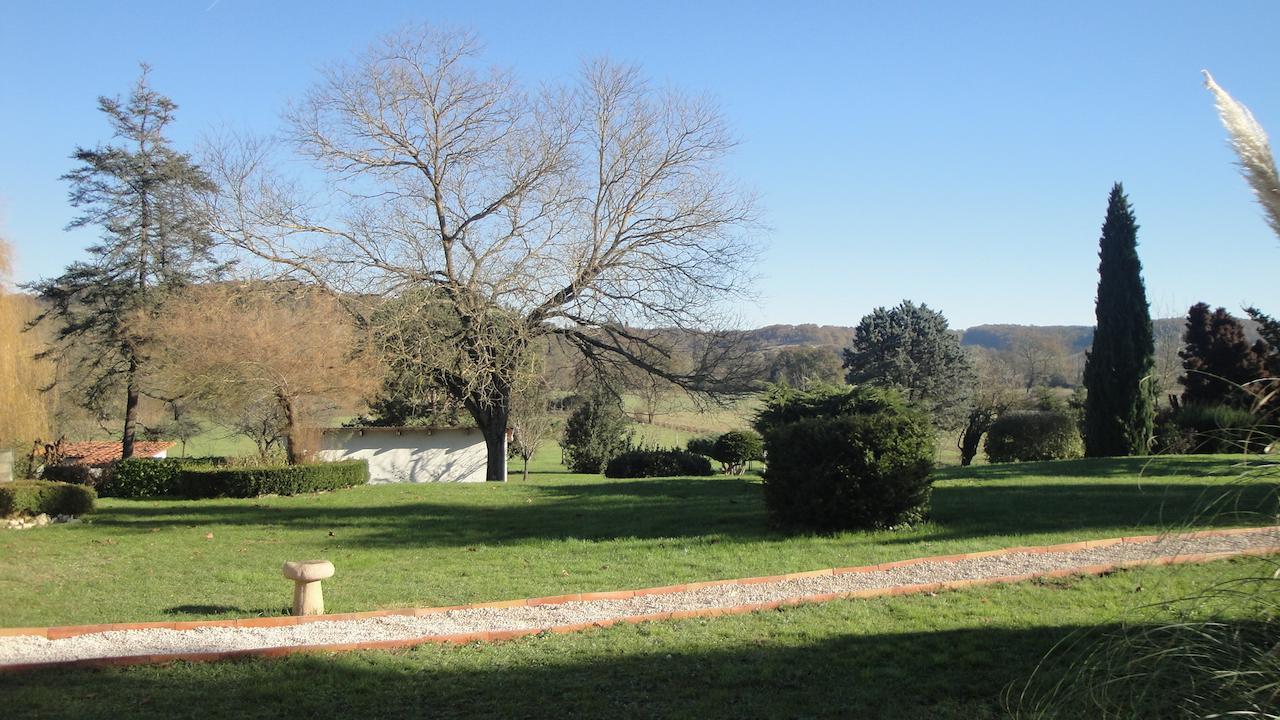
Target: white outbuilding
410, 454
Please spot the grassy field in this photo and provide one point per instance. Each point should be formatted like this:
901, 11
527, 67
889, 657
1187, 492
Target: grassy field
406, 545
957, 655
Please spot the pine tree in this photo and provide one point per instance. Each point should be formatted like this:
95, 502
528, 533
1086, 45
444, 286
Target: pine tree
910, 348
143, 194
1219, 364
1119, 369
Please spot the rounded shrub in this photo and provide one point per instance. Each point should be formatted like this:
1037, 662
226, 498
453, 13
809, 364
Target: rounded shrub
1029, 435
32, 497
734, 449
657, 463
850, 471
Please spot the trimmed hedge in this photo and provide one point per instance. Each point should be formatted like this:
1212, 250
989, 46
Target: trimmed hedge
865, 470
32, 497
657, 463
1031, 435
282, 480
74, 474
194, 479
142, 478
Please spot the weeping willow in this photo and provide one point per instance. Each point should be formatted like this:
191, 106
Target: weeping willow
24, 410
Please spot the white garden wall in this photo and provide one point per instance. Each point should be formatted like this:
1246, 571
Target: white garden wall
413, 455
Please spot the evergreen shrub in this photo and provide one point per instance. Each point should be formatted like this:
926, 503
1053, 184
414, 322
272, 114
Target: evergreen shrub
845, 459
1030, 435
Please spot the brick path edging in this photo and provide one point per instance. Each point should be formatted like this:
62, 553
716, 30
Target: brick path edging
66, 631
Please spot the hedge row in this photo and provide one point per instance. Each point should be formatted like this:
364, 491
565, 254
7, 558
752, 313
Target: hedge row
32, 497
657, 463
285, 480
142, 478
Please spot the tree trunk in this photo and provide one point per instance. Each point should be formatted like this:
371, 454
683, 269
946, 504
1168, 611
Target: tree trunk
290, 444
130, 410
979, 423
492, 420
526, 467
495, 441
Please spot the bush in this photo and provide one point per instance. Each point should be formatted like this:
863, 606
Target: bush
783, 404
32, 497
1212, 429
657, 463
734, 449
142, 478
594, 434
74, 474
701, 445
1033, 435
847, 470
207, 482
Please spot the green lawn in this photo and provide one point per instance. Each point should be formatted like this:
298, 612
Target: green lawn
957, 655
405, 545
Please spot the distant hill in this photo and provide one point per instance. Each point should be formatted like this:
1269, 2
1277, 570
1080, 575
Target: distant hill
1076, 338
776, 336
1001, 337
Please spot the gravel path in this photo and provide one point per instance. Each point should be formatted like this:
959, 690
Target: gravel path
32, 649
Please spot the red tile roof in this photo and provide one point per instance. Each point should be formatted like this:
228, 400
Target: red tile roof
102, 452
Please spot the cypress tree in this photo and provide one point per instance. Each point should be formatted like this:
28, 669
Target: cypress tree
1119, 368
1219, 364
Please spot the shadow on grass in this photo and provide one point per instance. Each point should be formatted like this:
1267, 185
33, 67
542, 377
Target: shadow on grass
726, 508
948, 674
653, 508
1134, 467
975, 511
207, 610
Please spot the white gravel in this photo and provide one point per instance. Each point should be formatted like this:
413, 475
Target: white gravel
33, 649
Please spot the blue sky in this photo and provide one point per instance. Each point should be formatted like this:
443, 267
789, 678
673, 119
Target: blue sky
958, 154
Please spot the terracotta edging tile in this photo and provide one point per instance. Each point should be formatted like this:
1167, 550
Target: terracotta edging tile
36, 631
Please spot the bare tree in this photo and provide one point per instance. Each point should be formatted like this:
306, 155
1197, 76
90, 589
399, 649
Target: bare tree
505, 216
995, 392
1038, 359
263, 358
531, 422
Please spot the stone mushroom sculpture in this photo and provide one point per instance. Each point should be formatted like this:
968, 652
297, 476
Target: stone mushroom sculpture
306, 575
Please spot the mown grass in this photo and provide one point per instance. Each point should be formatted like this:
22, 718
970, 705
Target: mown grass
950, 656
406, 545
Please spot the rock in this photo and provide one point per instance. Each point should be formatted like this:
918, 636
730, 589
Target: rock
41, 520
